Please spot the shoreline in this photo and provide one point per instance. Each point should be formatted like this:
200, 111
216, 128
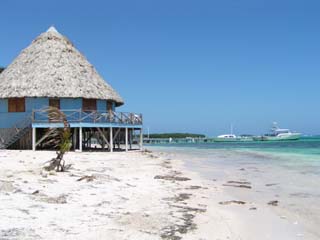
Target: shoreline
135, 195
242, 201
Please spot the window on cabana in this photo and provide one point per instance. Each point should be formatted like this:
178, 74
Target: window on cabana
54, 102
89, 104
16, 105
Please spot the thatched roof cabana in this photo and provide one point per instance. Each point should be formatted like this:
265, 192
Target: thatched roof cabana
52, 67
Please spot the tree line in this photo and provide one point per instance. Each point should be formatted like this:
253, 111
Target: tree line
175, 135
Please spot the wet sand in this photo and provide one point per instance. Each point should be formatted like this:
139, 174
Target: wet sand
255, 198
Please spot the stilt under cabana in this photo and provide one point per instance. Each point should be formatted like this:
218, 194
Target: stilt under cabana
126, 139
34, 139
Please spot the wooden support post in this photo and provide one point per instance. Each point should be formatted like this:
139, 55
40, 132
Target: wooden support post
126, 137
80, 139
130, 138
34, 132
111, 140
141, 139
74, 139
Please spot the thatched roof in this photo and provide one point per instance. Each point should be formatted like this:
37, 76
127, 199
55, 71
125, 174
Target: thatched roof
52, 67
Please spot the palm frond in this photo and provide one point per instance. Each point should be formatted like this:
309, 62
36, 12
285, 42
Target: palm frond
58, 138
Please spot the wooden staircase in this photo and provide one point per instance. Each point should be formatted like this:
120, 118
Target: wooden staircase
11, 135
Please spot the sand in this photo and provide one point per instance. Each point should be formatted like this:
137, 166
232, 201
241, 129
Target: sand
103, 196
135, 195
237, 205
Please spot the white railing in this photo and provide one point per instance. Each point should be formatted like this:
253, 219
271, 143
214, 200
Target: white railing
80, 116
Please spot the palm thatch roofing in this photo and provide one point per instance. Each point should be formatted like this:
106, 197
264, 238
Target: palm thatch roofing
52, 67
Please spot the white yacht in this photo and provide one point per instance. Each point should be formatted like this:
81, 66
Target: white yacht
278, 134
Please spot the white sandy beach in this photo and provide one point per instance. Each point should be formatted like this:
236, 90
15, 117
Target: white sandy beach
123, 196
122, 200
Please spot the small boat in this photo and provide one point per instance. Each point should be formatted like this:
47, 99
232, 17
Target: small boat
278, 134
246, 138
226, 138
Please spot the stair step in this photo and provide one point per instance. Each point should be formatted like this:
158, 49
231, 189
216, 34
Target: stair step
16, 135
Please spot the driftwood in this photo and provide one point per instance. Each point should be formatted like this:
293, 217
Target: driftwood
273, 203
232, 202
239, 182
193, 187
87, 178
172, 178
239, 186
271, 184
61, 199
179, 198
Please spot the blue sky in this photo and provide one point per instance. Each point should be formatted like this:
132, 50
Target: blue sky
191, 66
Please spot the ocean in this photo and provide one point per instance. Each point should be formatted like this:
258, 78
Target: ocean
287, 172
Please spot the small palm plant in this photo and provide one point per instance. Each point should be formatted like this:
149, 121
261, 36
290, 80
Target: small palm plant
58, 138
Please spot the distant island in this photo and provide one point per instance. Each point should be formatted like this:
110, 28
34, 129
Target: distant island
175, 135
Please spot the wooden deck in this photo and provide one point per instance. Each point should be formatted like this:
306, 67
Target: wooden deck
114, 128
80, 118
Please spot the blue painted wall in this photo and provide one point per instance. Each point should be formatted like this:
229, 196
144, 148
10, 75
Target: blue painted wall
8, 120
3, 105
101, 105
71, 103
36, 103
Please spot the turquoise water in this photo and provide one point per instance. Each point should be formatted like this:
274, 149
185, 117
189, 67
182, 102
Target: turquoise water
291, 167
300, 152
306, 145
